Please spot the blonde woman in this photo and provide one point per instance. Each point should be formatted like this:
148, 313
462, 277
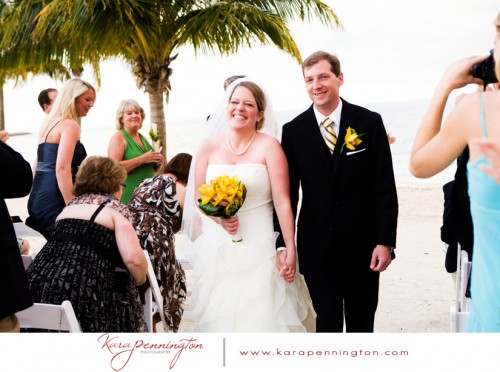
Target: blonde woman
59, 154
131, 148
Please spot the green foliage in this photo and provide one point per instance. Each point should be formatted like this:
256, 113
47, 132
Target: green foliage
146, 34
154, 136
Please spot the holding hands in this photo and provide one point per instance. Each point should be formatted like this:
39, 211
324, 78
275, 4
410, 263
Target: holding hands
286, 263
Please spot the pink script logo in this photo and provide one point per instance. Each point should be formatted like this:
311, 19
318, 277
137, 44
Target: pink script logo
122, 351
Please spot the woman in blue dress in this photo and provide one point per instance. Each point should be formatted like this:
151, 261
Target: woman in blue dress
477, 115
59, 154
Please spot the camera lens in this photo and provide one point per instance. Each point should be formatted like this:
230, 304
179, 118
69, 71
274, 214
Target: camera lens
485, 70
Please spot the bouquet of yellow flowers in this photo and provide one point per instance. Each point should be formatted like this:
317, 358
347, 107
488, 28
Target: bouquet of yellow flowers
155, 138
223, 197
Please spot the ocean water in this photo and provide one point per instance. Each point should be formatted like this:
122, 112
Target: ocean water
401, 119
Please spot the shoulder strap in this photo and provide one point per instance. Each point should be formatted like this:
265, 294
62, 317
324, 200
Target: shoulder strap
125, 134
51, 130
98, 210
483, 116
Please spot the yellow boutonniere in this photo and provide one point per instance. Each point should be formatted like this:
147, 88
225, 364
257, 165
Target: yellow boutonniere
351, 139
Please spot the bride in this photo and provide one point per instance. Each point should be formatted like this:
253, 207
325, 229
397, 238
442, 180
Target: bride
246, 286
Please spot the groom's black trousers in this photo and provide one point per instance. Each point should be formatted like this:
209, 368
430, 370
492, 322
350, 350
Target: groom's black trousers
344, 286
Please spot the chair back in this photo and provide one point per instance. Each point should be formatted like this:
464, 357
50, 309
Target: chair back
48, 316
461, 309
153, 293
27, 259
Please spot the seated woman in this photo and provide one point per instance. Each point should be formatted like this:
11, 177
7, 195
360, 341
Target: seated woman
131, 148
93, 237
157, 208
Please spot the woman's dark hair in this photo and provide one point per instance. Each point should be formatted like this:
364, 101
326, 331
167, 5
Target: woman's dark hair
179, 165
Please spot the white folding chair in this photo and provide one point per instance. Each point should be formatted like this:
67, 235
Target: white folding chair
28, 259
48, 316
460, 311
153, 292
184, 260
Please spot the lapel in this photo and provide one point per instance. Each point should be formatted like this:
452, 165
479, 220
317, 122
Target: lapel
315, 138
344, 123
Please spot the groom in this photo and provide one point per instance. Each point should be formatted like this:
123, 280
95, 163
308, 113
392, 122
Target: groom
338, 153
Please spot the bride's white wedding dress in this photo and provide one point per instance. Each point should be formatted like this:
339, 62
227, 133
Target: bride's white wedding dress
236, 286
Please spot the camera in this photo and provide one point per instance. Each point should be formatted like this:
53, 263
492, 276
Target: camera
485, 70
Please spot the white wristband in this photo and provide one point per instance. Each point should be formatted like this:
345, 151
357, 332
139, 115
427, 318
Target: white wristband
281, 249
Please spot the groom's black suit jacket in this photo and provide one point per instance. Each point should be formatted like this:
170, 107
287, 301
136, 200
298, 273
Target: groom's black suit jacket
349, 199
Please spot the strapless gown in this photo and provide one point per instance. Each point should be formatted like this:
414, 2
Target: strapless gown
484, 195
236, 286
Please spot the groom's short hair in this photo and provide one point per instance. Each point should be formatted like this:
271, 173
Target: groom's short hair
322, 56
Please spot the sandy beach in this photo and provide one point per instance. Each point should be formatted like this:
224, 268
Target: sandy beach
416, 292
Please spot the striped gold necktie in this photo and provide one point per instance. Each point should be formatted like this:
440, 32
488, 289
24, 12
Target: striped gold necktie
330, 136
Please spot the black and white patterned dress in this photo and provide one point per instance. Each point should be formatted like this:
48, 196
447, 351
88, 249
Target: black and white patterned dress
157, 217
79, 264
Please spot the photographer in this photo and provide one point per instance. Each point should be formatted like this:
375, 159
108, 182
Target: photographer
457, 221
436, 146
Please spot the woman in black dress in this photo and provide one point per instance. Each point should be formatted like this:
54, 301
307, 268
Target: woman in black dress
93, 258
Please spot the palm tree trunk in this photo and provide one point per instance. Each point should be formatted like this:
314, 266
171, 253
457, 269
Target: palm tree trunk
158, 117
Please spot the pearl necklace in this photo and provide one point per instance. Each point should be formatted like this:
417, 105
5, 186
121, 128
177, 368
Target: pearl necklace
244, 150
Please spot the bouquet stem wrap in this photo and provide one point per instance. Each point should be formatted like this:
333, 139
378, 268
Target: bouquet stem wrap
155, 138
237, 237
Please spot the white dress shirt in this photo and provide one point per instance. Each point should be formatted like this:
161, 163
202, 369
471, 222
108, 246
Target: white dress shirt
335, 116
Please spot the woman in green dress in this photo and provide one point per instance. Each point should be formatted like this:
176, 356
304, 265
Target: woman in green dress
131, 148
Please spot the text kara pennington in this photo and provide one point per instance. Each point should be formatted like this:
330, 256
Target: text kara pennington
122, 351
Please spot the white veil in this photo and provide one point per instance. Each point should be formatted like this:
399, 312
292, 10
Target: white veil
217, 123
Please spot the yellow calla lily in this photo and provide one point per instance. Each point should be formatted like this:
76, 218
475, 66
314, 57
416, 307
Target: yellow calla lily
351, 139
222, 197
